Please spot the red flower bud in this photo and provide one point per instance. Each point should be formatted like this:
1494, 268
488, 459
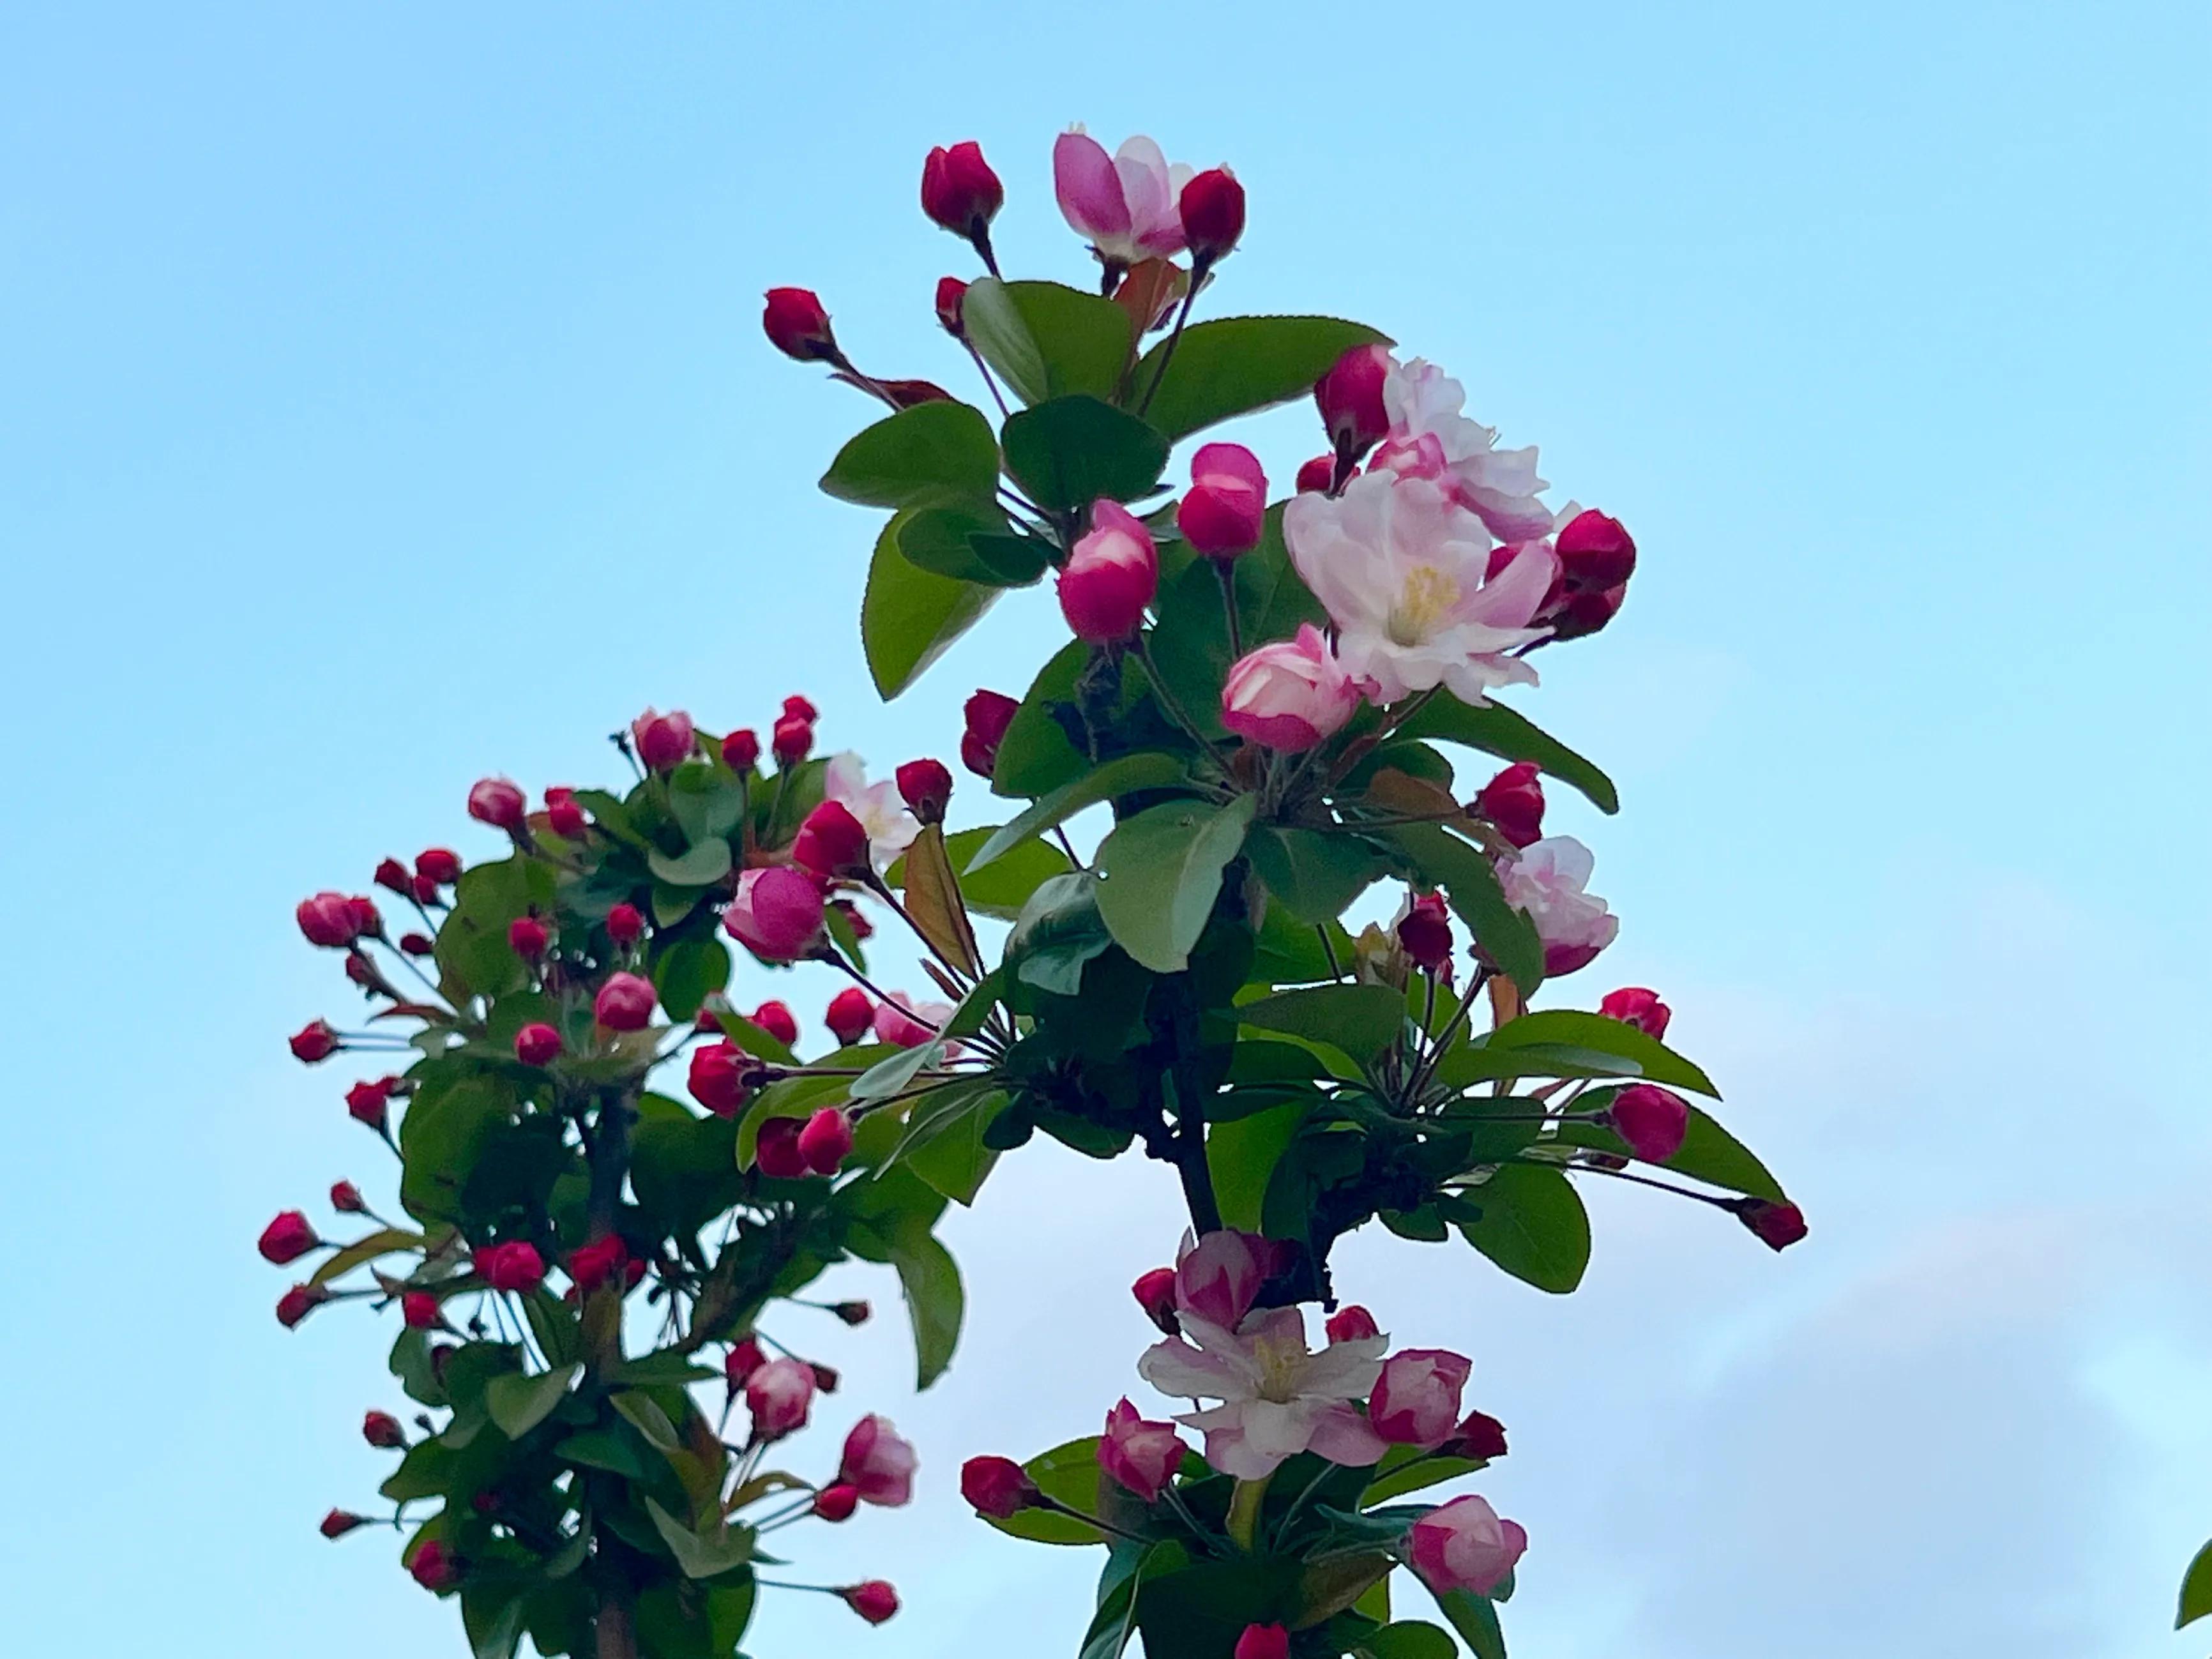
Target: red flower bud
832, 842
664, 742
850, 1016
863, 929
959, 192
1225, 510
538, 1044
419, 1310
874, 1601
1351, 399
382, 1431
393, 874
434, 1566
1212, 205
367, 918
997, 1486
338, 1523
1316, 476
796, 707
1777, 1225
1477, 1436
625, 925
825, 1377
417, 945
592, 1265
425, 891
776, 1153
988, 713
564, 814
798, 326
927, 787
1156, 1294
1351, 1323
328, 920
717, 1079
625, 1003
314, 1040
1633, 1005
776, 913
950, 291
1110, 576
498, 803
527, 937
287, 1238
1582, 614
438, 865
745, 1357
511, 1266
1595, 552
837, 1503
741, 749
777, 1020
1263, 1642
1651, 1119
346, 1199
827, 1140
851, 1313
1513, 802
791, 739
1426, 933
296, 1303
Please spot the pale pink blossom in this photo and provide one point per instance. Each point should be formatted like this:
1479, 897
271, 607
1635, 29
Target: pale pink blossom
1278, 1397
1403, 571
878, 1463
1129, 203
1430, 438
1218, 1276
905, 1023
1464, 1546
1548, 880
1416, 1399
1289, 696
779, 1396
1141, 1456
878, 806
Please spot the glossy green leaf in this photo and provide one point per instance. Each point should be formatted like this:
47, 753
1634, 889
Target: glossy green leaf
2195, 1590
689, 972
1068, 451
1476, 1620
1533, 1225
385, 1241
934, 451
1058, 933
518, 1403
1315, 874
934, 1300
1127, 774
1241, 1155
1070, 1473
963, 541
1499, 731
1235, 365
1572, 1028
909, 616
1708, 1153
1406, 1469
702, 1556
1160, 871
1407, 1639
1362, 1020
471, 945
700, 866
1001, 888
1047, 340
1115, 1620
1036, 757
1190, 643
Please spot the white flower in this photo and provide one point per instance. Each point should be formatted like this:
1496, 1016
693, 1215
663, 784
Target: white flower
1547, 880
1403, 571
1278, 1397
891, 829
1430, 438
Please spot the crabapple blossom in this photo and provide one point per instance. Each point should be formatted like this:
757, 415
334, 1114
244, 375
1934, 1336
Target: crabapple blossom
1278, 1397
1548, 880
497, 802
741, 749
776, 913
778, 1021
849, 1015
717, 1078
877, 1463
836, 1503
1263, 1642
1777, 1227
1110, 576
986, 715
905, 1023
315, 1041
625, 1002
1632, 1005
1319, 473
1430, 438
1289, 696
287, 1238
827, 1140
1479, 1435
779, 1396
1424, 932
1141, 1455
1349, 397
564, 816
830, 842
874, 1601
592, 1265
1129, 203
997, 1486
950, 291
876, 807
926, 787
1218, 1276
1212, 207
538, 1044
1226, 510
1156, 1294
663, 741
296, 1303
776, 1151
1651, 1119
1416, 1399
1464, 1546
328, 920
798, 326
1513, 801
959, 191
382, 1431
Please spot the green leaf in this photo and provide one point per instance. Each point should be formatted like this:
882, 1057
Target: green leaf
1068, 451
1047, 340
602, 1449
1708, 1153
1190, 643
689, 972
1036, 757
934, 1300
1362, 1020
2195, 1590
1241, 1155
1497, 730
1571, 1027
1398, 1474
491, 1617
1160, 871
934, 451
1007, 884
707, 1557
1068, 1473
472, 944
1470, 882
1147, 770
1115, 1621
518, 1403
1476, 1620
1058, 933
965, 542
1533, 1225
664, 1368
700, 867
944, 1142
910, 617
1235, 365
1314, 873
385, 1241
443, 1134
893, 1073
1411, 1638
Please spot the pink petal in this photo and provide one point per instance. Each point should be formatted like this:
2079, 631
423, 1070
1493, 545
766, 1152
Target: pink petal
1088, 188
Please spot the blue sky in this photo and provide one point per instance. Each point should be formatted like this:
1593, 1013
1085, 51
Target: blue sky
382, 403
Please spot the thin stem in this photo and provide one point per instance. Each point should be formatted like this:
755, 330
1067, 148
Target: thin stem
1225, 569
1167, 354
1283, 1527
882, 891
990, 383
1066, 846
1168, 701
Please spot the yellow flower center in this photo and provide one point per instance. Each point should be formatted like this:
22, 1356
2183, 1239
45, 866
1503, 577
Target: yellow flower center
1429, 596
1281, 1358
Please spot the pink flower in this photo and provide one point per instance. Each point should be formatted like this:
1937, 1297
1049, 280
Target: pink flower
988, 714
1263, 1642
874, 1601
877, 808
779, 1396
1595, 552
287, 1238
497, 802
1416, 1399
1429, 438
1212, 209
1777, 1227
1463, 1545
1142, 1456
1513, 801
328, 920
1402, 570
830, 842
1349, 397
1218, 1277
1424, 932
997, 1486
900, 1020
315, 1041
1547, 880
1651, 1119
959, 191
798, 326
1128, 204
1226, 507
1289, 696
1111, 575
663, 741
877, 1463
717, 1078
850, 1016
1155, 1291
1277, 1398
1633, 1005
776, 913
625, 1003
1351, 1323
827, 1140
537, 1044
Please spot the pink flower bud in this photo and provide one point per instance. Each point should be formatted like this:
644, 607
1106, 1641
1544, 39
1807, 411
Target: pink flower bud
437, 865
1464, 1546
1582, 614
366, 918
1633, 1005
1513, 802
419, 1311
625, 925
664, 742
1477, 1436
798, 326
1416, 1399
850, 1313
1651, 1119
987, 714
1218, 1277
1316, 476
328, 920
1111, 575
874, 1601
1156, 1294
434, 1566
744, 1358
927, 788
417, 945
827, 1140
538, 1044
287, 1238
624, 1003
832, 843
564, 814
776, 1019
314, 1040
346, 1199
776, 1153
791, 738
1351, 399
850, 1016
527, 937
836, 1503
959, 192
296, 1303
779, 1396
776, 913
514, 1266
382, 1431
1424, 932
1226, 510
877, 1463
338, 1523
862, 928
1263, 1642
1595, 552
1213, 206
797, 707
950, 291
393, 874
1351, 1323
718, 1078
1777, 1227
997, 1486
1289, 696
424, 891
905, 1023
741, 749
603, 1259
498, 803
1141, 1456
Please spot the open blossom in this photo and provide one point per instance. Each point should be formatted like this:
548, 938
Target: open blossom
1416, 1399
1430, 438
1129, 203
878, 806
1277, 1398
1141, 1455
1289, 696
1402, 570
1547, 880
905, 1023
877, 1462
1464, 1546
776, 913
